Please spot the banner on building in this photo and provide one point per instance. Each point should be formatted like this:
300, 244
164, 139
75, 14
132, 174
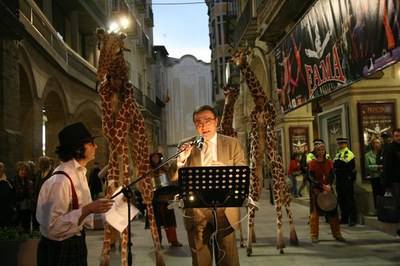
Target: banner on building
298, 137
374, 119
336, 44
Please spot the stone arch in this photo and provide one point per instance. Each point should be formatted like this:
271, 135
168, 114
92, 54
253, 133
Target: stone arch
26, 116
30, 111
55, 114
90, 114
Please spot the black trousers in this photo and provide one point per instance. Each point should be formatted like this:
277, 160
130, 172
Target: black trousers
347, 203
69, 252
377, 188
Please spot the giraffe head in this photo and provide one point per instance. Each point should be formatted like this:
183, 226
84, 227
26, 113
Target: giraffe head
239, 57
231, 93
111, 47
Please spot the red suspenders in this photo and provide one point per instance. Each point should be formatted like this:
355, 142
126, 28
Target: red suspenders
75, 204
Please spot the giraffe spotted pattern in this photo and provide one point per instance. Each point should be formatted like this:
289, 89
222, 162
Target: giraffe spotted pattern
263, 137
124, 128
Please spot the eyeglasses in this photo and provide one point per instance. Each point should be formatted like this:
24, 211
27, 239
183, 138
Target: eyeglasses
205, 122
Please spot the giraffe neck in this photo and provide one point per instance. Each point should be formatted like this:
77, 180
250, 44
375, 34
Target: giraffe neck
252, 81
227, 113
118, 68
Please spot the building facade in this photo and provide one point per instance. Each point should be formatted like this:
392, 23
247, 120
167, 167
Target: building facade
48, 60
358, 110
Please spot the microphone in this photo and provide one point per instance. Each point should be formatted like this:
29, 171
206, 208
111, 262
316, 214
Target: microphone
199, 143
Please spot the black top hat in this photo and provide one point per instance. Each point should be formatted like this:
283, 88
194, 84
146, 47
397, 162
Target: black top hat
74, 135
342, 140
386, 135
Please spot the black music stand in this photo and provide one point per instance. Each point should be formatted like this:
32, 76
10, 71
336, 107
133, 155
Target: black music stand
214, 187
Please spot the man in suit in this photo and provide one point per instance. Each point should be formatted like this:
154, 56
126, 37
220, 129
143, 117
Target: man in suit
218, 150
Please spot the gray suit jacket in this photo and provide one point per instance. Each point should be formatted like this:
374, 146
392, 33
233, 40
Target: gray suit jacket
230, 153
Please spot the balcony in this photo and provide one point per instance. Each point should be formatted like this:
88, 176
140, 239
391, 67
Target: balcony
54, 48
140, 5
246, 27
149, 18
152, 107
143, 44
148, 106
151, 57
277, 17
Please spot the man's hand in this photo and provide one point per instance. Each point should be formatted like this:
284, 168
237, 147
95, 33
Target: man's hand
187, 149
327, 188
97, 206
101, 205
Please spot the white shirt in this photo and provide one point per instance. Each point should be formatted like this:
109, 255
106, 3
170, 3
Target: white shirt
57, 219
213, 144
4, 178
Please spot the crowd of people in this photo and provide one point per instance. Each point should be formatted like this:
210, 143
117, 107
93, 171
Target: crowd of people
321, 172
30, 199
19, 193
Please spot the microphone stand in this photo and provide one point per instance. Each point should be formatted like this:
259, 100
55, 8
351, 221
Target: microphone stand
127, 191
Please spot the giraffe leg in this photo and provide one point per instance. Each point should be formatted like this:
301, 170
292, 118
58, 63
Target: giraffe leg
280, 243
294, 241
124, 247
105, 255
250, 229
241, 235
156, 237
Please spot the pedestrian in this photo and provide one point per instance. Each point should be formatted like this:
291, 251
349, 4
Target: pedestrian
7, 200
218, 150
24, 192
304, 173
386, 140
95, 183
391, 167
344, 164
64, 205
294, 172
373, 167
45, 171
322, 176
164, 217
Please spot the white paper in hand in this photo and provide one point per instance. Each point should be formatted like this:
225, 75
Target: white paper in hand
117, 216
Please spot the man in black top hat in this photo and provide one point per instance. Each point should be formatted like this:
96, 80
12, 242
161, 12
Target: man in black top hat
64, 205
344, 165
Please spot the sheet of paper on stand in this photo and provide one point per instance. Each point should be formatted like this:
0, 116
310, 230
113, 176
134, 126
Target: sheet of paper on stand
117, 216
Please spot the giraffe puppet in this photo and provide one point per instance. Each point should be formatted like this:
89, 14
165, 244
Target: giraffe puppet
124, 128
263, 137
226, 125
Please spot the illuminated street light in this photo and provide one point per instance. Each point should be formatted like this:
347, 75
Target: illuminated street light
114, 27
123, 24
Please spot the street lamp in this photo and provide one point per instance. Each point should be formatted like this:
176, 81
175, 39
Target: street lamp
119, 24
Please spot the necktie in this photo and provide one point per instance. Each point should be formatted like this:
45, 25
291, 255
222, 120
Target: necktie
208, 154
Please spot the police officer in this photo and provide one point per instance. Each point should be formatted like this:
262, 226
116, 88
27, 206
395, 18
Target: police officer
344, 165
312, 155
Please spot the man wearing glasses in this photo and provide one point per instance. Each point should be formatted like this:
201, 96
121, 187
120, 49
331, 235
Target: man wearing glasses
218, 150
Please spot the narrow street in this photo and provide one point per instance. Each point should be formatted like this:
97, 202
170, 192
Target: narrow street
365, 245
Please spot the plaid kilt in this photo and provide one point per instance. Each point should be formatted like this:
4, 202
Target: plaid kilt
69, 252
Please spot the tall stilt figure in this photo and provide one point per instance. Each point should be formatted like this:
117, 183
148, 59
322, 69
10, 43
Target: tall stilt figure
226, 124
124, 129
263, 137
